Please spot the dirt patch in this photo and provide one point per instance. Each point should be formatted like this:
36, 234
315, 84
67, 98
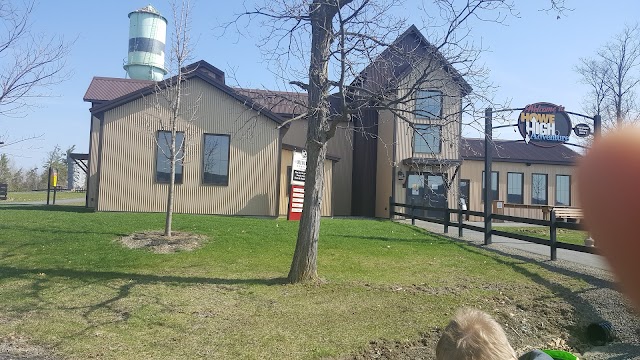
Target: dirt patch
17, 347
156, 242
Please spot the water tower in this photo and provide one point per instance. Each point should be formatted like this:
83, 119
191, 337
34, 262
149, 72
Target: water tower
147, 36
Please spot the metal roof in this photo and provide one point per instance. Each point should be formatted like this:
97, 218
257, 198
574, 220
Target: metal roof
104, 89
284, 103
518, 151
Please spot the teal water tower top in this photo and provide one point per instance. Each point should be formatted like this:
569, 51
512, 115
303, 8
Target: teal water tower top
147, 37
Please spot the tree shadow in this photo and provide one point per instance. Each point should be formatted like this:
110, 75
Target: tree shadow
583, 310
53, 208
119, 284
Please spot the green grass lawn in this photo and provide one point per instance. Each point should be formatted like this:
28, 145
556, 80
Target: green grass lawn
66, 284
23, 196
562, 235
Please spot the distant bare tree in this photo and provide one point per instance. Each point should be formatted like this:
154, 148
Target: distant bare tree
29, 62
613, 77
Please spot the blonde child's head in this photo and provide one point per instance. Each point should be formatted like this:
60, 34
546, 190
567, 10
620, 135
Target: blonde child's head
474, 335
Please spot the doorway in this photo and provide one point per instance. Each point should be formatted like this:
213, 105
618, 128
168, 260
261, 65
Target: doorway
427, 190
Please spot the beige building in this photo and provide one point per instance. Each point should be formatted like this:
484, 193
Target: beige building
529, 180
233, 154
238, 148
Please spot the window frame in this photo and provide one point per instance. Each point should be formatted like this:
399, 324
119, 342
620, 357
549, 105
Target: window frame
521, 187
569, 190
497, 190
416, 134
178, 177
419, 114
228, 175
546, 189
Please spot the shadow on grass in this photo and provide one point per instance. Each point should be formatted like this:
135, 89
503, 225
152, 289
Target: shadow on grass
43, 207
45, 278
85, 275
49, 230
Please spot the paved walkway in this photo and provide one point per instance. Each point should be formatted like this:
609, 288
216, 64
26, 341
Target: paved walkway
79, 201
476, 237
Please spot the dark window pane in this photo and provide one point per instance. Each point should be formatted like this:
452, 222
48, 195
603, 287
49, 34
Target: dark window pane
428, 104
163, 154
427, 139
514, 188
563, 190
539, 189
215, 159
494, 185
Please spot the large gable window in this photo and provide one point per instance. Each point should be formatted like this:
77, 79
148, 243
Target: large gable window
215, 159
428, 104
163, 154
427, 139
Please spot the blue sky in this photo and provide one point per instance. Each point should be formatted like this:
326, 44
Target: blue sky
531, 58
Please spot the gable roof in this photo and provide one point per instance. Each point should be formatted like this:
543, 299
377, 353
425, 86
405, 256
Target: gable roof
202, 70
104, 89
518, 151
284, 103
393, 64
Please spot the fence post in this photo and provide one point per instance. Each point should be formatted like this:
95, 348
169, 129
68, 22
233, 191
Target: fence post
447, 218
459, 222
413, 211
552, 235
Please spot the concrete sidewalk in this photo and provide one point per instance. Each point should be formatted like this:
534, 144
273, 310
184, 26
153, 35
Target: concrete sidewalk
476, 237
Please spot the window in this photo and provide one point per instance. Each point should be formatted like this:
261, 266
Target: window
427, 139
215, 159
428, 104
539, 189
163, 153
515, 183
563, 190
494, 185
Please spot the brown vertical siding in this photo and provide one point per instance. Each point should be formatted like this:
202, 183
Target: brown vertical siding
450, 120
384, 163
472, 170
341, 146
92, 181
326, 209
129, 153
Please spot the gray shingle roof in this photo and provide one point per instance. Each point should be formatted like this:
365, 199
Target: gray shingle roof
518, 151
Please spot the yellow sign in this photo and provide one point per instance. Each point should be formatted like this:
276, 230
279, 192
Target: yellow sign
54, 180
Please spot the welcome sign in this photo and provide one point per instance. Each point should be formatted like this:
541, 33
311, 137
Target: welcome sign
544, 123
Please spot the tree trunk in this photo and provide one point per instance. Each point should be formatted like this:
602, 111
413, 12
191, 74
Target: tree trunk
172, 183
304, 265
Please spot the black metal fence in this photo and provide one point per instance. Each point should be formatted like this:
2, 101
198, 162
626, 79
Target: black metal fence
553, 224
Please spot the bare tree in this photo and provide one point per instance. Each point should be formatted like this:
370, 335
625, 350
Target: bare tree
354, 64
613, 78
173, 109
29, 62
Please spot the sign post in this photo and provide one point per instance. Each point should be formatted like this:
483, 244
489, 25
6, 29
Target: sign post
296, 195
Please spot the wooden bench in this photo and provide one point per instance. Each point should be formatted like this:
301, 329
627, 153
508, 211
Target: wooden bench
568, 214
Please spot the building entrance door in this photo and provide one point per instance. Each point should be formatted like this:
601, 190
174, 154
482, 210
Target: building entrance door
427, 190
